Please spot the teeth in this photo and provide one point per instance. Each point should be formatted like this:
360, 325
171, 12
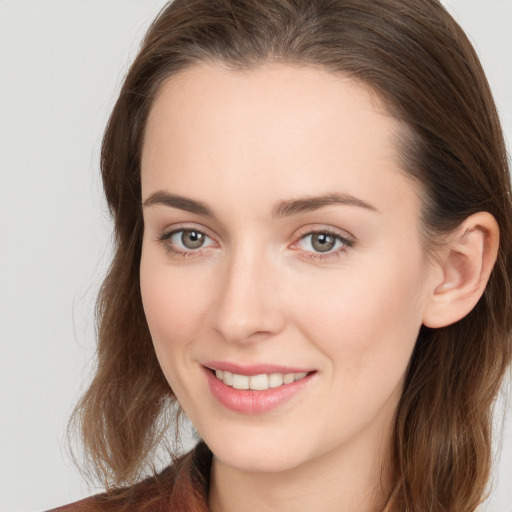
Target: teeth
275, 380
240, 381
289, 378
228, 378
258, 382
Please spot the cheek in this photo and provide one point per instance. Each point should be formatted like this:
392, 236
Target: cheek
367, 322
175, 305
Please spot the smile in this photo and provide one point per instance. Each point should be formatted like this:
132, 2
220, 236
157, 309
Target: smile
258, 382
255, 389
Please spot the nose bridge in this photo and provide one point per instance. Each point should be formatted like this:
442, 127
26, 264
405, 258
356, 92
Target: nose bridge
247, 302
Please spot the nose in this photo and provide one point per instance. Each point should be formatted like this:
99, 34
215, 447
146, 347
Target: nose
248, 308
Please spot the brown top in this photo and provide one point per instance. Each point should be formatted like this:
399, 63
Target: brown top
181, 487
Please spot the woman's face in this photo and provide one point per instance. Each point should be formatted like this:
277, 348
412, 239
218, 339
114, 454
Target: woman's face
282, 242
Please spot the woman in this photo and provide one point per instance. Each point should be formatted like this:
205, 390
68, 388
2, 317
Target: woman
312, 214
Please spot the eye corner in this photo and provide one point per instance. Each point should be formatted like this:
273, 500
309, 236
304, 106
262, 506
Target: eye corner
336, 243
174, 243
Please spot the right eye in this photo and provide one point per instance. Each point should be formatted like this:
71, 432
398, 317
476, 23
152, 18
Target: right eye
186, 241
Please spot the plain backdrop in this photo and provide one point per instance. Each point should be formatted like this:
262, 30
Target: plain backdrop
61, 64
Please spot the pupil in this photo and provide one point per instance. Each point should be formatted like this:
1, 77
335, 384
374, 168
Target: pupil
192, 239
323, 242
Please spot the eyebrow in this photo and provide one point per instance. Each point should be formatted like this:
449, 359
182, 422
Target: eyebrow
282, 209
309, 204
180, 202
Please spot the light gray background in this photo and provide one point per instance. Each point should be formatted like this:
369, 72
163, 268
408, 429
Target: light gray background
61, 64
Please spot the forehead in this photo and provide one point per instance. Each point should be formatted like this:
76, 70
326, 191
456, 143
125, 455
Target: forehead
291, 129
300, 98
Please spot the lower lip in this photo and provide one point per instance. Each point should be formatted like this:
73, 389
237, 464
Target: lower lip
249, 401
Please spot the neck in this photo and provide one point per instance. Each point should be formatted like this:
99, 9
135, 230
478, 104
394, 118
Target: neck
348, 478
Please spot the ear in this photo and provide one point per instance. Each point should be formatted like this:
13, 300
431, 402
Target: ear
462, 270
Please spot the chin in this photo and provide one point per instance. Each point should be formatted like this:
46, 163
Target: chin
256, 461
256, 450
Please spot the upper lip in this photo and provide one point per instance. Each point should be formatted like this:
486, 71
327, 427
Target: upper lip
253, 369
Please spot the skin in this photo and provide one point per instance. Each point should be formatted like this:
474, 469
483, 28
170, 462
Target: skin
243, 142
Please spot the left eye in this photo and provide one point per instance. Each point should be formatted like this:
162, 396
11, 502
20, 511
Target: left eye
322, 242
189, 239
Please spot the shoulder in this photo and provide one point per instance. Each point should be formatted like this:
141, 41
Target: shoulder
86, 505
183, 486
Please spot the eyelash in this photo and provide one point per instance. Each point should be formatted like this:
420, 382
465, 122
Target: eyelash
165, 240
346, 244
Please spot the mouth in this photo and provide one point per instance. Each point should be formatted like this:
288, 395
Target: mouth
260, 382
255, 389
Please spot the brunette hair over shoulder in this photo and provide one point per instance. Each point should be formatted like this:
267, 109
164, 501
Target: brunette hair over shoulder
421, 64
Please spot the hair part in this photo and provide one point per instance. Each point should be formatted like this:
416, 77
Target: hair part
422, 66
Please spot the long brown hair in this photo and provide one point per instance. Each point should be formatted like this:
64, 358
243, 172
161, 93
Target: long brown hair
421, 64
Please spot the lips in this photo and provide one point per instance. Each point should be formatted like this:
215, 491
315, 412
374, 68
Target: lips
255, 389
254, 369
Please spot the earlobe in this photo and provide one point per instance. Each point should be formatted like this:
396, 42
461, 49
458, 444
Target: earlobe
464, 265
